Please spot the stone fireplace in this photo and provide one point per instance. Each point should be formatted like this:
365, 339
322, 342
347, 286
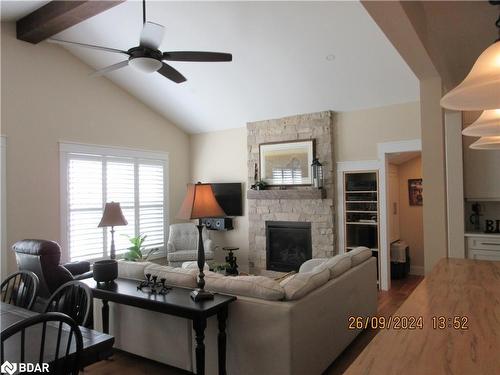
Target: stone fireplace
299, 206
288, 245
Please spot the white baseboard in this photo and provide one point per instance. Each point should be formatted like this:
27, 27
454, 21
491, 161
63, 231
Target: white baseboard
417, 270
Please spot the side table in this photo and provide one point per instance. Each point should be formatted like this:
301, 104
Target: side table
176, 302
231, 260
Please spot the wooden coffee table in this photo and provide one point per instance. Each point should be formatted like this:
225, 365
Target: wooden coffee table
178, 303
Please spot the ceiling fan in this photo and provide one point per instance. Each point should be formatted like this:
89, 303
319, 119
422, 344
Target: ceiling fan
147, 58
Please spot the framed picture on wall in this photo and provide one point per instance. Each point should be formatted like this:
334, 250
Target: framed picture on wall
415, 192
286, 163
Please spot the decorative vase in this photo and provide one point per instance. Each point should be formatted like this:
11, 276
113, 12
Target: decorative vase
105, 271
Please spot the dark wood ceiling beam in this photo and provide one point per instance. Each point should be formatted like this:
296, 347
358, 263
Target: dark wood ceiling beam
57, 16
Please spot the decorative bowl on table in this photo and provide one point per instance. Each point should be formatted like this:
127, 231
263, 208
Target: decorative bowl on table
105, 271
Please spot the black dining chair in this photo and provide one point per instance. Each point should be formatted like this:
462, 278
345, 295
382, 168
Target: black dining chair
20, 289
74, 299
61, 348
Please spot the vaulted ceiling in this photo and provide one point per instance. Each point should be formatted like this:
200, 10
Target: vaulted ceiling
288, 58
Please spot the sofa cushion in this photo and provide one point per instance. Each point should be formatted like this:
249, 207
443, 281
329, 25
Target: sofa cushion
193, 265
308, 265
249, 286
173, 276
338, 264
132, 270
187, 255
359, 255
297, 286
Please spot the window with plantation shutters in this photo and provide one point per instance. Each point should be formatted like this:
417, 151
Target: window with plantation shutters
92, 176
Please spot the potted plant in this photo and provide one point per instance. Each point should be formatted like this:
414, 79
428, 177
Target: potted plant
135, 252
219, 267
260, 185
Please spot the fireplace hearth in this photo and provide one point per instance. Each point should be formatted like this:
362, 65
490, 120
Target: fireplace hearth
288, 245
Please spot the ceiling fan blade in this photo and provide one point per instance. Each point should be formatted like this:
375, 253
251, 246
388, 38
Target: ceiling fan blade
99, 48
197, 56
151, 35
171, 73
110, 68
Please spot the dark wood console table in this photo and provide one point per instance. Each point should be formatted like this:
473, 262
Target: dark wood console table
178, 303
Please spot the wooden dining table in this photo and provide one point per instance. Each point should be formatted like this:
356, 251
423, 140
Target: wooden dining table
449, 325
96, 345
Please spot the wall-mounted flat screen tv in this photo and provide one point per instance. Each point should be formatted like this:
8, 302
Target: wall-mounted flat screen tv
229, 197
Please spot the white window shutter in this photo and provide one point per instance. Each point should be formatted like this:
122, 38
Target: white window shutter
94, 178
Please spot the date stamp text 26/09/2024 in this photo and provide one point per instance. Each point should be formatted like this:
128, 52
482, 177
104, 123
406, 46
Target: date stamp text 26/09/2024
408, 322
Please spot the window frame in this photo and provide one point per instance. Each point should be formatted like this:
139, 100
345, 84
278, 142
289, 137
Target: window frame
89, 151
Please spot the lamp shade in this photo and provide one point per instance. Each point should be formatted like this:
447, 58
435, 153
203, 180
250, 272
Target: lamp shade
488, 124
112, 216
481, 88
486, 143
199, 203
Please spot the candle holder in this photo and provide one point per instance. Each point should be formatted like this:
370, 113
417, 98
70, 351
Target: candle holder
153, 286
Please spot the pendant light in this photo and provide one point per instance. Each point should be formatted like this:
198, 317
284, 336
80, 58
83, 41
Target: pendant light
486, 143
481, 88
488, 124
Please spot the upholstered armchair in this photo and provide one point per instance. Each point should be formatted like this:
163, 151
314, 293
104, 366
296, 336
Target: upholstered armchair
182, 245
42, 257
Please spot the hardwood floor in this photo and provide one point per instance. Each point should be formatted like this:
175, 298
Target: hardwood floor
389, 302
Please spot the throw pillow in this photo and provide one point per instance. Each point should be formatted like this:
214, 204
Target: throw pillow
359, 255
308, 265
297, 286
338, 264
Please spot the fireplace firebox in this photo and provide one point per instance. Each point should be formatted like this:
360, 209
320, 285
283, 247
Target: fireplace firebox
288, 245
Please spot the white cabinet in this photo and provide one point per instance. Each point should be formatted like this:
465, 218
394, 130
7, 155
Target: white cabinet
483, 246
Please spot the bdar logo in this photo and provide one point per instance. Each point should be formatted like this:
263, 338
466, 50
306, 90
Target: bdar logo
9, 368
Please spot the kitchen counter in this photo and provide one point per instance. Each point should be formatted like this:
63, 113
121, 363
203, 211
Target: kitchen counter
482, 234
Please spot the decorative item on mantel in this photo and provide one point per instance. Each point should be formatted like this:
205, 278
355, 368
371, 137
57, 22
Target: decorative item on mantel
286, 163
200, 203
107, 270
317, 173
258, 184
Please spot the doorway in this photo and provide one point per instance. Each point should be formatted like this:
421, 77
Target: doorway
404, 193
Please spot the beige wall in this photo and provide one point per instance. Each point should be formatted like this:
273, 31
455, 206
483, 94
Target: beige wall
357, 133
411, 217
222, 157
47, 97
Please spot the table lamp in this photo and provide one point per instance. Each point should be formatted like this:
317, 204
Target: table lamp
200, 203
112, 217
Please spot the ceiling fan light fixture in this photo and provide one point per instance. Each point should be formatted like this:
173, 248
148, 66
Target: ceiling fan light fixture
481, 88
145, 64
486, 143
488, 124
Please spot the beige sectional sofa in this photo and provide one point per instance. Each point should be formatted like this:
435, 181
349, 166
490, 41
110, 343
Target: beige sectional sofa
297, 326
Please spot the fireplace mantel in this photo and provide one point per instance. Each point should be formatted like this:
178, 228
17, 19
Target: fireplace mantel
287, 194
296, 203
